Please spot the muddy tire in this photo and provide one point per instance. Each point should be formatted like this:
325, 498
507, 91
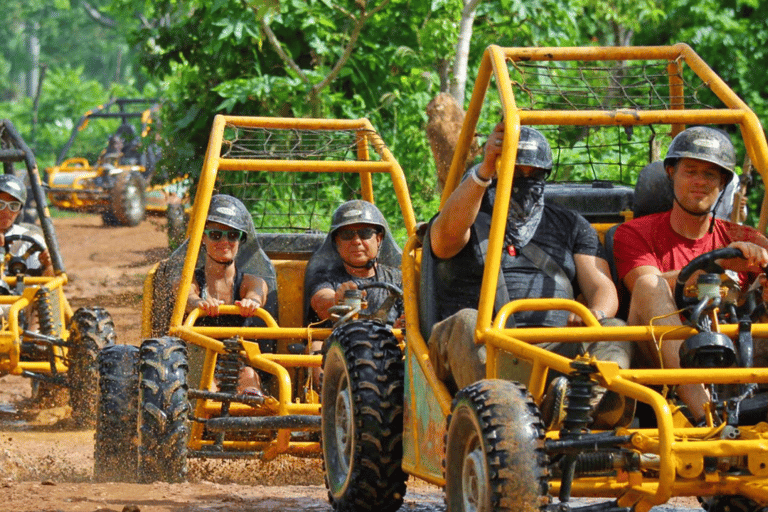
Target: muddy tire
494, 450
128, 202
115, 454
90, 330
362, 418
176, 225
163, 410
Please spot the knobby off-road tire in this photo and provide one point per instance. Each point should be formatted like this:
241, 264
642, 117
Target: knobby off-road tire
176, 224
494, 450
362, 418
163, 410
115, 454
90, 330
128, 202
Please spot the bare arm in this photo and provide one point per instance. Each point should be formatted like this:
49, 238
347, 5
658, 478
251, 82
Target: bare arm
253, 291
451, 228
325, 298
594, 277
194, 300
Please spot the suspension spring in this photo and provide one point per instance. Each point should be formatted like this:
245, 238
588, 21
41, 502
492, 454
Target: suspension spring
578, 414
44, 310
228, 366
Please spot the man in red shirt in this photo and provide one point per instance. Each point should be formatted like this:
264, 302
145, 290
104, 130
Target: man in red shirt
650, 251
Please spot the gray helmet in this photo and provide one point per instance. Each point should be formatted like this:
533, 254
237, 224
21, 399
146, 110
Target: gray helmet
13, 185
229, 211
357, 212
533, 149
703, 143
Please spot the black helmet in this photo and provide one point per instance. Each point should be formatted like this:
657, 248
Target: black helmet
533, 149
13, 185
703, 143
357, 212
229, 211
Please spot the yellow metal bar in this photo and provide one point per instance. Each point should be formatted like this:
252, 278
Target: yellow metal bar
199, 211
631, 117
351, 166
416, 343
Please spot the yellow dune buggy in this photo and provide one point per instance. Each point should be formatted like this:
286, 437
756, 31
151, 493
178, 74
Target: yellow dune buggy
120, 182
41, 338
608, 113
175, 397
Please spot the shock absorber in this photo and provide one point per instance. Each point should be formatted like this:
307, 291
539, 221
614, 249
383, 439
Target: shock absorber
228, 366
577, 419
44, 310
227, 372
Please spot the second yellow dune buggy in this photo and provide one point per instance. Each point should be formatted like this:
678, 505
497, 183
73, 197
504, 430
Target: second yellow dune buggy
175, 397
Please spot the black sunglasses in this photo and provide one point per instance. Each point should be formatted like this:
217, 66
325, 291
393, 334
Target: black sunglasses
216, 234
363, 233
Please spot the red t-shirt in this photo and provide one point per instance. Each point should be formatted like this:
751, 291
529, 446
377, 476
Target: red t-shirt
650, 240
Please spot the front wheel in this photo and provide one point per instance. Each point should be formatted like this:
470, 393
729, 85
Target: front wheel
128, 199
115, 452
90, 330
362, 418
163, 410
494, 450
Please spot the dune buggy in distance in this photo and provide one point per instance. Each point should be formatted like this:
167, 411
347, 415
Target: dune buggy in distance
175, 397
41, 338
120, 181
608, 113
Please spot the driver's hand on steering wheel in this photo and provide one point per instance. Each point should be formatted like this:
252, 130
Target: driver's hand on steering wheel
755, 257
343, 287
45, 259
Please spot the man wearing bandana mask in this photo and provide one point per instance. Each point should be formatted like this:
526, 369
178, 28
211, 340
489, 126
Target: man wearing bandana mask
459, 238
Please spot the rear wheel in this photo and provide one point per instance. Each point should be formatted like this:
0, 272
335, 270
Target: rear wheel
163, 410
115, 451
362, 418
494, 450
128, 200
90, 330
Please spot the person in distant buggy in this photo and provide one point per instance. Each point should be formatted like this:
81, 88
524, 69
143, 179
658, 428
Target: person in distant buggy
13, 196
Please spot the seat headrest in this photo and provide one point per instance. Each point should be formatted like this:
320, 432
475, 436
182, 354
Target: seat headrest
653, 190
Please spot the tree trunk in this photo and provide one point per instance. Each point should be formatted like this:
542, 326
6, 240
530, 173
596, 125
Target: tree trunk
459, 81
445, 120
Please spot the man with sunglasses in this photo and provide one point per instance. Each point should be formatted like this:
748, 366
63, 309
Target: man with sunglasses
549, 252
357, 231
13, 195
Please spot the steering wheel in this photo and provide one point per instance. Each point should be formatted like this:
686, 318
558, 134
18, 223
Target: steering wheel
17, 264
394, 293
705, 262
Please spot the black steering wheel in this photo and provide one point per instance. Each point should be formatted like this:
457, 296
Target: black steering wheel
705, 262
17, 264
346, 313
394, 293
